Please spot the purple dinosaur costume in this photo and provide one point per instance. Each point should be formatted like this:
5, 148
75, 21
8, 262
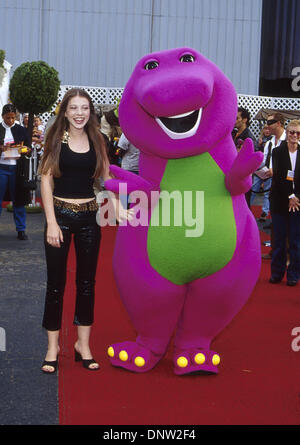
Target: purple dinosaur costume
179, 109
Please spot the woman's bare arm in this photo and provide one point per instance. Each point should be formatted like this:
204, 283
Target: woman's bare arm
54, 233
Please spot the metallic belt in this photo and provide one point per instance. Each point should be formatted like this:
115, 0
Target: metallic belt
83, 207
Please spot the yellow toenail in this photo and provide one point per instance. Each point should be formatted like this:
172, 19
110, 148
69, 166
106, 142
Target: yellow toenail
111, 351
139, 361
182, 362
199, 358
216, 359
123, 356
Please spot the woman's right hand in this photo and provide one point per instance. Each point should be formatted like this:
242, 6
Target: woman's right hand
54, 235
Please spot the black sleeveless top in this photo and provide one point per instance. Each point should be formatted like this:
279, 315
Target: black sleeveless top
77, 170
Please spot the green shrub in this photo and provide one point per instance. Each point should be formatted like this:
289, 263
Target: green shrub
2, 57
2, 69
34, 87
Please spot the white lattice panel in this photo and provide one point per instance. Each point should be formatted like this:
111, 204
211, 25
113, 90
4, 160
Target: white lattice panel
104, 96
280, 103
99, 96
253, 104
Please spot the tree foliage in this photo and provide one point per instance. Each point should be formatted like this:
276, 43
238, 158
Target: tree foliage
2, 57
2, 69
34, 87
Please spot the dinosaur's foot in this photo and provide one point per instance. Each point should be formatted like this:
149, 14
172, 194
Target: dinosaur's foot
191, 361
133, 357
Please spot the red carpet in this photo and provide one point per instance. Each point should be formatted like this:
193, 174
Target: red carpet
258, 382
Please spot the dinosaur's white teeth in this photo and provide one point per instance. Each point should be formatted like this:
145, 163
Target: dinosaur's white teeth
181, 115
181, 126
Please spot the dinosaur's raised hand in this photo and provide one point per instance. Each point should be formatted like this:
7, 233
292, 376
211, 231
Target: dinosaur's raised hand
238, 180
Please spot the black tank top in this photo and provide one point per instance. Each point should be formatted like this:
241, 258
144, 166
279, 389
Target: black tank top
77, 169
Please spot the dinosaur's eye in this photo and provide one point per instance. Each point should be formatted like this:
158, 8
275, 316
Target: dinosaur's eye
187, 58
151, 65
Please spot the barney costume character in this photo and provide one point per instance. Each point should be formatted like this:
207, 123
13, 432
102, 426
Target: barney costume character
179, 109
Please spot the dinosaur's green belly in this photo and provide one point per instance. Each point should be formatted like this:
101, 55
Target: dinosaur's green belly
195, 236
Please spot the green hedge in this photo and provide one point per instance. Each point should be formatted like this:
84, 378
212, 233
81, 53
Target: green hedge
34, 87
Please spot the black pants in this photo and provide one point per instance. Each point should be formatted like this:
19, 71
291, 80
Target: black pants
87, 236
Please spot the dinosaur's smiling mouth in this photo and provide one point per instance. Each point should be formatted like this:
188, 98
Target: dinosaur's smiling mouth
181, 126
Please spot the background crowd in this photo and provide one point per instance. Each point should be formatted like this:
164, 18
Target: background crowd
274, 134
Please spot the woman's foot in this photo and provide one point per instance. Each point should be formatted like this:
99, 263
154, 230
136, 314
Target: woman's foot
50, 363
83, 353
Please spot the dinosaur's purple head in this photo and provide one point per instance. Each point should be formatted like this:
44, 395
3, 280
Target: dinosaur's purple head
177, 103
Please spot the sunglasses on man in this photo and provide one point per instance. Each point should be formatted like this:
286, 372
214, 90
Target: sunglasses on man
271, 121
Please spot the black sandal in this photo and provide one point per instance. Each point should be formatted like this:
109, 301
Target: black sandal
53, 364
85, 362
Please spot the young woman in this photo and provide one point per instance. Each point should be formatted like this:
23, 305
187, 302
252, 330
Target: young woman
74, 156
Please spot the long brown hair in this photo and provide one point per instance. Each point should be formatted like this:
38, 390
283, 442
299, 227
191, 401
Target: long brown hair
52, 147
113, 121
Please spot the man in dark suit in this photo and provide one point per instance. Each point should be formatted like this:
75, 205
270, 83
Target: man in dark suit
285, 206
14, 171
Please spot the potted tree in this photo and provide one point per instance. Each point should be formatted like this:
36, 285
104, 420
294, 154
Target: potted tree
33, 89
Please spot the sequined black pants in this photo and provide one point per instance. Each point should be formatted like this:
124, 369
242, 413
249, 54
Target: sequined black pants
87, 236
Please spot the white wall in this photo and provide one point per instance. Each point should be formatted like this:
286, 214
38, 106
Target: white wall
98, 42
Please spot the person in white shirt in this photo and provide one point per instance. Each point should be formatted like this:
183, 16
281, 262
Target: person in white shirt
13, 171
275, 124
130, 155
130, 160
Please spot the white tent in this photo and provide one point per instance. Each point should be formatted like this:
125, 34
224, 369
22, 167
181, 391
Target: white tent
4, 88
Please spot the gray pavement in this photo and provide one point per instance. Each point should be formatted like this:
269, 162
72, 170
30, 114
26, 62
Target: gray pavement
27, 396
